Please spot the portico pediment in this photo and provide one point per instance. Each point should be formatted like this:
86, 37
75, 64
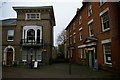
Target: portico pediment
90, 40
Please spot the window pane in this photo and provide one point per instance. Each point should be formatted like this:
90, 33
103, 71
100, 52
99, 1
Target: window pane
37, 15
90, 10
10, 35
10, 32
108, 58
105, 19
28, 16
33, 16
80, 19
24, 56
91, 29
80, 34
107, 53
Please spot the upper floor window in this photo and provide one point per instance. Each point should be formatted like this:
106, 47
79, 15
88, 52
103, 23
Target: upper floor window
80, 20
81, 34
32, 16
10, 35
74, 38
102, 2
105, 21
30, 35
90, 10
91, 32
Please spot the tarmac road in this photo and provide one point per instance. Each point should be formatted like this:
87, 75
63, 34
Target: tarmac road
58, 70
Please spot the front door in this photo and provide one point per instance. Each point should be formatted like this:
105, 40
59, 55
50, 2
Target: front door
91, 58
9, 57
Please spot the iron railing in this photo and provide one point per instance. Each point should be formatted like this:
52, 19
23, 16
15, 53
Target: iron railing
31, 42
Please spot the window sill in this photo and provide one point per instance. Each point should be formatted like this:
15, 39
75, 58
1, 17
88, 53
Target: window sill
106, 30
89, 16
91, 35
80, 23
31, 19
101, 4
10, 40
81, 40
107, 65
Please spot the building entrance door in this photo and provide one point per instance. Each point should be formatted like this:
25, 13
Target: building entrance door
91, 58
9, 56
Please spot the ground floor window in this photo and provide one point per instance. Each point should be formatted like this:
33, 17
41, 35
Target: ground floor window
27, 56
39, 57
82, 53
107, 53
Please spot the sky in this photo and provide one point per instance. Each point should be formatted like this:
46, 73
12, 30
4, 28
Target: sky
64, 11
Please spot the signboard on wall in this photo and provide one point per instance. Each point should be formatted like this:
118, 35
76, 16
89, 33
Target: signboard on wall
35, 64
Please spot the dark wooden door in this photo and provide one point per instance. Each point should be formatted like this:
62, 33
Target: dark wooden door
9, 57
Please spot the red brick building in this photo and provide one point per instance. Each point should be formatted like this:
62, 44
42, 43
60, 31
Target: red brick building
93, 35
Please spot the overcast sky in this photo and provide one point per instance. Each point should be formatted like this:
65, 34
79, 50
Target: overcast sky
64, 10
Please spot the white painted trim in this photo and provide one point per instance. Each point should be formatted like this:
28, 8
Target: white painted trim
87, 45
105, 10
80, 28
35, 28
30, 18
24, 60
105, 56
5, 54
74, 33
80, 19
13, 34
81, 46
106, 41
90, 21
91, 44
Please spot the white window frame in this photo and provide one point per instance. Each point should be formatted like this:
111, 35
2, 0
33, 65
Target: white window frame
80, 21
102, 2
89, 23
35, 28
74, 38
84, 53
9, 35
105, 55
36, 17
103, 27
81, 33
90, 9
80, 53
101, 13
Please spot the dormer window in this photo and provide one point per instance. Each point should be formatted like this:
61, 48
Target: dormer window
32, 16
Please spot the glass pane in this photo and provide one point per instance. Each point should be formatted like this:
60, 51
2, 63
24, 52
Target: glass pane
108, 58
28, 16
10, 37
33, 16
37, 15
10, 32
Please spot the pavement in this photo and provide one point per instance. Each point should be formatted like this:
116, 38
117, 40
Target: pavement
57, 70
